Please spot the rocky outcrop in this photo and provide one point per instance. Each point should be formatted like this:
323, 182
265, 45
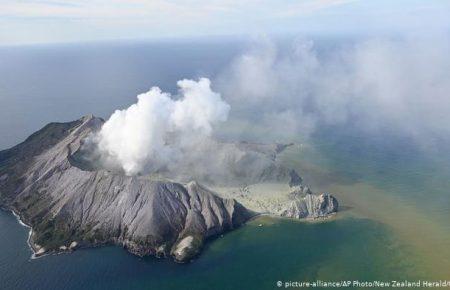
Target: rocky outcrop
310, 206
68, 207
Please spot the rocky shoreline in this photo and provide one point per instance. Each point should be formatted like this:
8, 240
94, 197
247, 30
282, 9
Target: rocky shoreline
37, 250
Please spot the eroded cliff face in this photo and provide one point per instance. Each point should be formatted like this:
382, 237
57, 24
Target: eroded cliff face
309, 206
69, 207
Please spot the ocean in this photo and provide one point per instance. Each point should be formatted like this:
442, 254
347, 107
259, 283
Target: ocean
394, 196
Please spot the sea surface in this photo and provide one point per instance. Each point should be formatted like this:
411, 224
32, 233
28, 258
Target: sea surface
395, 197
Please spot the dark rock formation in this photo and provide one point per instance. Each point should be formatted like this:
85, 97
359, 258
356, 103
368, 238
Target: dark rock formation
295, 179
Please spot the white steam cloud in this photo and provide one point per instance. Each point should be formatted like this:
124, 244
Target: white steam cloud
399, 86
157, 130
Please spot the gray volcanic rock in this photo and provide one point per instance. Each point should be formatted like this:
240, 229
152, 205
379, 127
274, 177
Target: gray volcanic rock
68, 207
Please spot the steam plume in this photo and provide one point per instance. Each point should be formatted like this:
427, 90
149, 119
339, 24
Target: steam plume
157, 130
399, 84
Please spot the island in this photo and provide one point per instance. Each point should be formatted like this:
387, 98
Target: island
68, 204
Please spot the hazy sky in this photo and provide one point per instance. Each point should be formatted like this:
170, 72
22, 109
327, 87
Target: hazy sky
41, 21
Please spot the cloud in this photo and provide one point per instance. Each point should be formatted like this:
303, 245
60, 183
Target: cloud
81, 20
80, 9
307, 7
73, 20
143, 8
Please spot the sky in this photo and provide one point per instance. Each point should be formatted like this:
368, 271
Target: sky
54, 21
